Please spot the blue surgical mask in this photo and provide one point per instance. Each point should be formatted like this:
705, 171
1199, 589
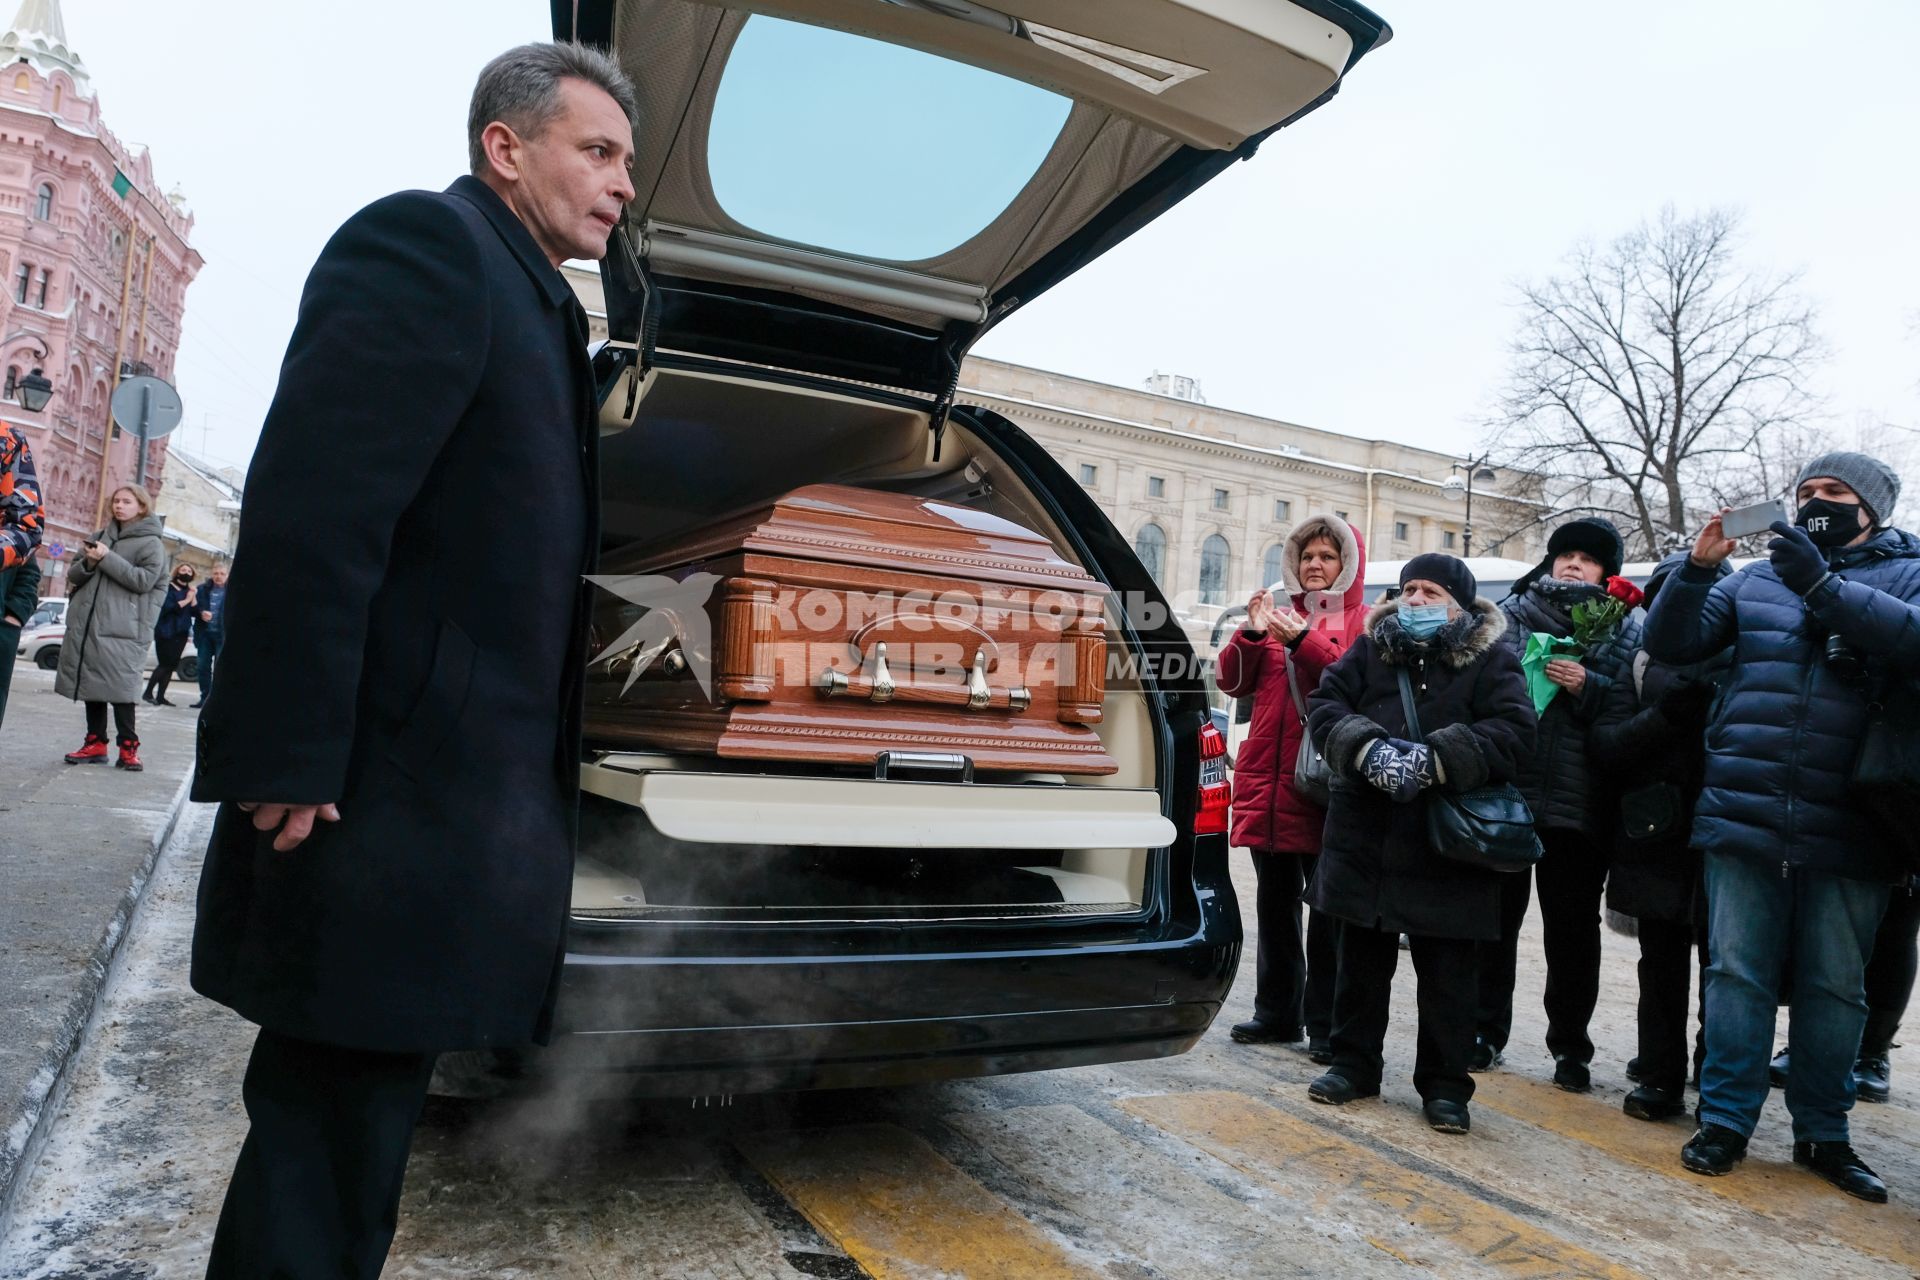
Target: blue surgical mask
1422, 620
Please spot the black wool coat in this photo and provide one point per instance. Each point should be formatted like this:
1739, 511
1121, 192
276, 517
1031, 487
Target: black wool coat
1563, 785
430, 440
1377, 868
1651, 744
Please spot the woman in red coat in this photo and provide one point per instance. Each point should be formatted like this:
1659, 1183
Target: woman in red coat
1325, 569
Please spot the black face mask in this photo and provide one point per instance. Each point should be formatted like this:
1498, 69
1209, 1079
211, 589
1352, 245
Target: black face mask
1830, 524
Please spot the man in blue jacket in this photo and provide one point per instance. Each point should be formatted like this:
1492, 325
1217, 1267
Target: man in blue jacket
1797, 873
210, 628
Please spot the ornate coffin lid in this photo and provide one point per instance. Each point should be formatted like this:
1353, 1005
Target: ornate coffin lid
878, 530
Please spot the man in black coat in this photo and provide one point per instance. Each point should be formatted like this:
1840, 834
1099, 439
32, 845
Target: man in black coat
397, 769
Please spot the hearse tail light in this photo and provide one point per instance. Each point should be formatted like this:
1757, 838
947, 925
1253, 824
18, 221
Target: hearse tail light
1216, 793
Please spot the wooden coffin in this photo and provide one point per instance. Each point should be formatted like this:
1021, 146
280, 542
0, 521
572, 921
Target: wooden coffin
835, 623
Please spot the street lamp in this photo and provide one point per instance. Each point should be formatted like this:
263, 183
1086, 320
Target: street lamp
1456, 489
35, 391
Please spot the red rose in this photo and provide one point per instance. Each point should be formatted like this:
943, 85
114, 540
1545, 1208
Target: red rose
1624, 591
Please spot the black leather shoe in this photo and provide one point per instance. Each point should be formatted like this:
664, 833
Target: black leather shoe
1838, 1164
1713, 1150
164, 702
1446, 1116
1254, 1031
1873, 1078
1336, 1090
1320, 1049
1651, 1102
1484, 1056
1572, 1076
1777, 1070
198, 703
1633, 1070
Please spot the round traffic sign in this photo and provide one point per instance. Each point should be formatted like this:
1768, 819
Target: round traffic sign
150, 399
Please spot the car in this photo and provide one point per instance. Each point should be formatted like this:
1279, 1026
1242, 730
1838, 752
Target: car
48, 609
837, 199
41, 644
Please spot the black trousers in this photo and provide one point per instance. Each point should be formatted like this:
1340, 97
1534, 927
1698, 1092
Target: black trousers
9, 647
1667, 963
122, 720
167, 656
1896, 955
1293, 973
1444, 969
1571, 878
316, 1191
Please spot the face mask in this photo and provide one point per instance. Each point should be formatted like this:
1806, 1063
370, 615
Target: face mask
1422, 620
1830, 524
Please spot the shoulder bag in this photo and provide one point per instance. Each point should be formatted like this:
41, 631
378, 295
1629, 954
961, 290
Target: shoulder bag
1312, 778
1488, 827
1886, 773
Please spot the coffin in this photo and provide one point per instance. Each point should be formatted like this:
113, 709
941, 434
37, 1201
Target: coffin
834, 624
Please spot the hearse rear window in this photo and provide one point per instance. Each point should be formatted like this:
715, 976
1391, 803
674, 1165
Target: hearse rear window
862, 147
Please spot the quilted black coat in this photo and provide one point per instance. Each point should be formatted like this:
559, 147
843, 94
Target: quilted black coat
1376, 867
1563, 785
1782, 741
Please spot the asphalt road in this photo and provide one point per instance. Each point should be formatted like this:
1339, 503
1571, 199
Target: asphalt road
1213, 1164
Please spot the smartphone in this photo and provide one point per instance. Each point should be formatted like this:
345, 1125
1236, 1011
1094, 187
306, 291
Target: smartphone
1744, 522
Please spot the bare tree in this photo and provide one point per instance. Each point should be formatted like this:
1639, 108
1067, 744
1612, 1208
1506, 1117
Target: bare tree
1646, 376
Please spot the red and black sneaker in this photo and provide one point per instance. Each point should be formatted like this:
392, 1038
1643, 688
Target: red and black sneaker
129, 755
92, 751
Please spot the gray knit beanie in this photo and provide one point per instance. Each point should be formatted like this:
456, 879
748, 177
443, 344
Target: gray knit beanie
1876, 482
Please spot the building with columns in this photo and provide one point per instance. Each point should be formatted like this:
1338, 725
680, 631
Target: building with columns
95, 263
1207, 495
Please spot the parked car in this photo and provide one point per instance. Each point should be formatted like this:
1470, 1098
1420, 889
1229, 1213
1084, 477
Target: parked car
48, 609
40, 645
775, 324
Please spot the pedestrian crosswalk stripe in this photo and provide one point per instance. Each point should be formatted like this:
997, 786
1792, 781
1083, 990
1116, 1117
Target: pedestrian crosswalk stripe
901, 1210
1146, 1203
1770, 1186
1419, 1219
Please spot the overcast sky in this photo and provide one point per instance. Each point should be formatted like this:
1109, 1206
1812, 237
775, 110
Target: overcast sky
1356, 275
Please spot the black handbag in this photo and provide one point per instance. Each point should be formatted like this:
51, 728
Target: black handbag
1312, 776
1886, 773
1652, 812
1488, 827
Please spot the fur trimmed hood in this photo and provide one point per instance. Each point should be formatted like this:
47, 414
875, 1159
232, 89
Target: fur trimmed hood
1348, 590
1459, 644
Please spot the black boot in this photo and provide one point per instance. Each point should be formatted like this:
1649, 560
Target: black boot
1838, 1164
1777, 1070
1713, 1150
1873, 1073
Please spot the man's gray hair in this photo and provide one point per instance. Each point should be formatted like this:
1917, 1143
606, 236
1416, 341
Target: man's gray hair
521, 89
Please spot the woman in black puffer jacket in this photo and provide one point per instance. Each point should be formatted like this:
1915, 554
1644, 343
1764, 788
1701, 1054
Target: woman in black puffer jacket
1651, 737
1572, 805
1378, 873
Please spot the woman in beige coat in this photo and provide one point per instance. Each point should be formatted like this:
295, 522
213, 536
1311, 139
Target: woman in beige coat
115, 588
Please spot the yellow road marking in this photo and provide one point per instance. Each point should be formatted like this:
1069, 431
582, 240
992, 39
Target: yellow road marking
1773, 1188
1409, 1215
901, 1210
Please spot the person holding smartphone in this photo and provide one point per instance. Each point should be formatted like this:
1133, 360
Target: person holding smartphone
116, 585
1797, 873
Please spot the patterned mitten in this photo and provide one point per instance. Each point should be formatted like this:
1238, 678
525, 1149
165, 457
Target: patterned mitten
1390, 770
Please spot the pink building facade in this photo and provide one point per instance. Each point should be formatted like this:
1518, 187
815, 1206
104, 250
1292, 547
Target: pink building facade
94, 269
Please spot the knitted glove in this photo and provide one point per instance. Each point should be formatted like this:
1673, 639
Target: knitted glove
1393, 772
1800, 564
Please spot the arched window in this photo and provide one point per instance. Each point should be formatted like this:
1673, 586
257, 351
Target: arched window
43, 202
21, 279
13, 381
1213, 570
46, 279
22, 82
1150, 544
59, 94
1273, 566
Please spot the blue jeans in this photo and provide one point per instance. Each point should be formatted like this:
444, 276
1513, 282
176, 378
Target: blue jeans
207, 645
1763, 918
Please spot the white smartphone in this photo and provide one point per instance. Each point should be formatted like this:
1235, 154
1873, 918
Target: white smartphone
1744, 522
